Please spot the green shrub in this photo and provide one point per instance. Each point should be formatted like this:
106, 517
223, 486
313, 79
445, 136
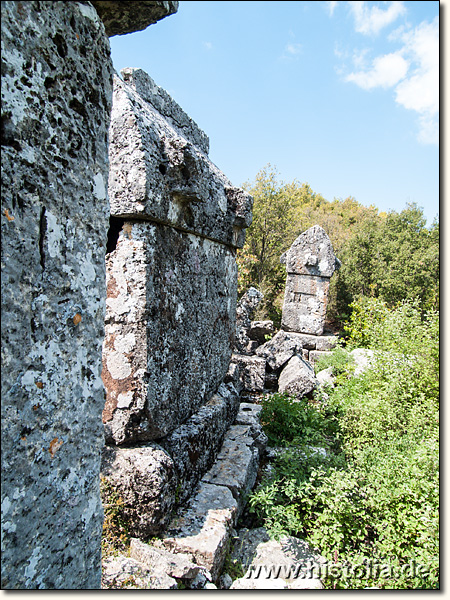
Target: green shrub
374, 496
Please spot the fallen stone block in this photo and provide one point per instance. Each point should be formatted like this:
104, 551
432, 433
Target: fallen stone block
249, 415
203, 528
362, 358
297, 378
236, 466
146, 480
160, 560
259, 330
125, 573
194, 445
282, 347
252, 371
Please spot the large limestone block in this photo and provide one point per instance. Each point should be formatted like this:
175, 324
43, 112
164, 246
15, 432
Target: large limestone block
311, 254
281, 348
125, 573
252, 371
56, 100
288, 561
305, 311
297, 378
145, 479
170, 322
120, 17
158, 174
310, 263
203, 529
195, 444
160, 560
237, 463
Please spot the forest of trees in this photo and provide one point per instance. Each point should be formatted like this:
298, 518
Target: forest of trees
392, 256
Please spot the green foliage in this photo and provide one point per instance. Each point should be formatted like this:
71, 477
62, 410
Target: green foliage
374, 496
116, 537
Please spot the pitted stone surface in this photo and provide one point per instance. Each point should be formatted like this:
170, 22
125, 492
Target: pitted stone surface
121, 16
146, 480
252, 370
170, 324
310, 263
159, 560
158, 174
203, 529
125, 573
195, 444
297, 378
281, 348
56, 100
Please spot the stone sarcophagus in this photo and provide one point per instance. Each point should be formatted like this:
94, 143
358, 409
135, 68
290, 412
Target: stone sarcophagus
171, 269
310, 263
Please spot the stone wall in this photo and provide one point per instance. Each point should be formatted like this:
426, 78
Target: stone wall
171, 273
56, 99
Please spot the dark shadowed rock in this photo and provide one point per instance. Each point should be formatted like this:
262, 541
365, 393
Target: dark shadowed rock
282, 347
120, 17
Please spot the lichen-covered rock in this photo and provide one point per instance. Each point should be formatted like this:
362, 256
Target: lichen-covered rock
310, 263
252, 370
203, 529
160, 560
145, 479
56, 100
288, 561
297, 378
125, 573
121, 16
245, 310
281, 348
169, 329
194, 445
237, 463
158, 174
260, 331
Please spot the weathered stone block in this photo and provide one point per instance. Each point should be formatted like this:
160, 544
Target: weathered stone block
170, 325
282, 347
120, 17
237, 463
195, 444
252, 371
161, 561
310, 262
125, 573
204, 527
56, 100
146, 480
158, 174
260, 330
297, 378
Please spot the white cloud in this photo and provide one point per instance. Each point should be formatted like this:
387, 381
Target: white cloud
420, 91
371, 19
331, 7
413, 72
386, 71
293, 49
208, 45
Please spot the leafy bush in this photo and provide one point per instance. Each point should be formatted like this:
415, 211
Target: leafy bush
374, 496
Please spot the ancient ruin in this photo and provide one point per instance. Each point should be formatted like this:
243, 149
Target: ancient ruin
310, 263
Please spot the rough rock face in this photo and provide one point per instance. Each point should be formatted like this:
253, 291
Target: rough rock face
297, 378
171, 270
310, 263
56, 100
121, 16
145, 478
245, 310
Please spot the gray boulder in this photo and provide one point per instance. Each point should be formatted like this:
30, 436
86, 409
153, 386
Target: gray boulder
297, 378
282, 347
252, 371
145, 479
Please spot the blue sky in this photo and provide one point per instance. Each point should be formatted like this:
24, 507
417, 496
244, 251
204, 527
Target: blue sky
341, 95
